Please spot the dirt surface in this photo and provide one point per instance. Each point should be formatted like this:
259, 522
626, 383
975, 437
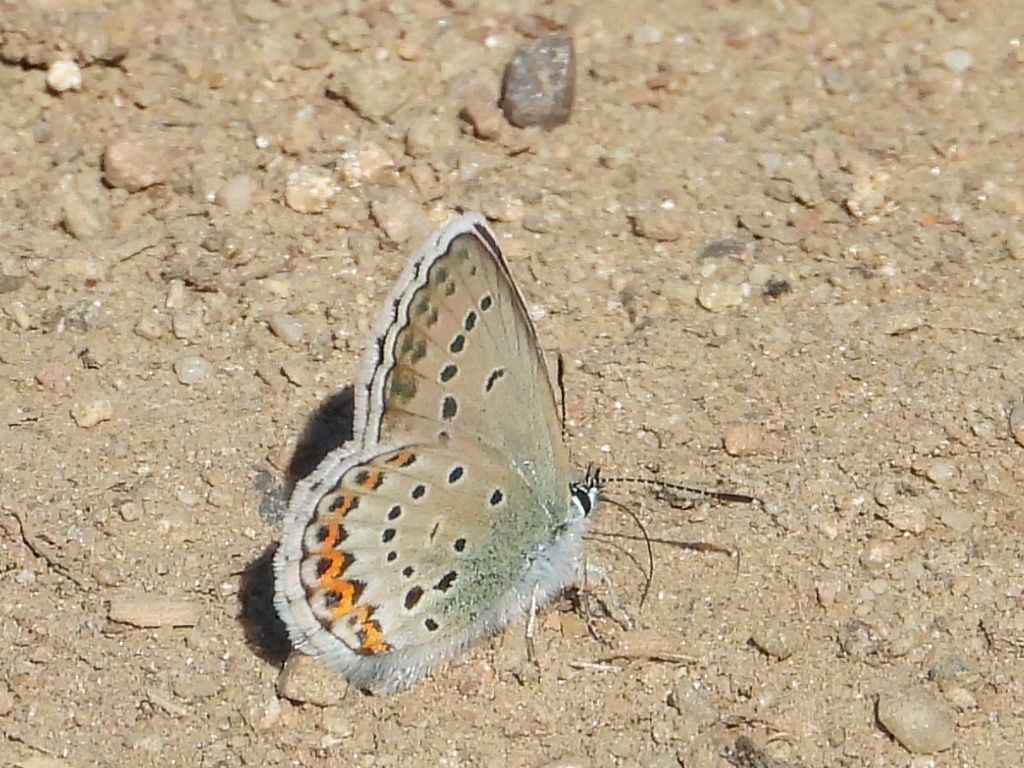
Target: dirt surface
778, 244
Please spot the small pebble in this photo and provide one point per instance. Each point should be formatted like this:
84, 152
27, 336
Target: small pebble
877, 556
537, 223
859, 640
337, 722
958, 60
942, 473
1016, 421
194, 687
64, 76
263, 717
481, 113
716, 296
146, 610
309, 189
907, 515
956, 671
363, 163
827, 591
130, 511
176, 295
401, 218
369, 93
80, 220
222, 498
84, 315
917, 720
7, 700
776, 641
186, 324
298, 373
427, 134
237, 193
149, 327
192, 369
957, 519
661, 224
540, 83
92, 412
303, 681
286, 328
743, 440
502, 207
694, 704
130, 166
868, 195
311, 54
17, 312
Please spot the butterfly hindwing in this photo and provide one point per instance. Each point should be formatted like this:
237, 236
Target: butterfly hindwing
396, 582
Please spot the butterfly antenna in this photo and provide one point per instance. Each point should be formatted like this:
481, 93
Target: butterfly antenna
647, 543
739, 498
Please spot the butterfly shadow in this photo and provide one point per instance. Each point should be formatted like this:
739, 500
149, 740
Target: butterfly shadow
327, 428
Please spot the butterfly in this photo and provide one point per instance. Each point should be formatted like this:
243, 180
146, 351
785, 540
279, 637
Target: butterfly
454, 508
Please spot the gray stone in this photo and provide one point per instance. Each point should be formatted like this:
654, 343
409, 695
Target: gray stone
540, 83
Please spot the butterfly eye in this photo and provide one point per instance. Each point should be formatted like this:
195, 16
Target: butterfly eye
582, 497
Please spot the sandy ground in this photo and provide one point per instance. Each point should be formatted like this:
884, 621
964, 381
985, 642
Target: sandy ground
779, 245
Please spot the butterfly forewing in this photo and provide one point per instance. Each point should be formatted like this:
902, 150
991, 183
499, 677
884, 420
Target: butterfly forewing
463, 357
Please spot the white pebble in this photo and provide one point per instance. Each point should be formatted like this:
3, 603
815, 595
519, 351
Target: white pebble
941, 473
236, 194
958, 60
192, 369
363, 162
309, 189
716, 296
64, 76
89, 414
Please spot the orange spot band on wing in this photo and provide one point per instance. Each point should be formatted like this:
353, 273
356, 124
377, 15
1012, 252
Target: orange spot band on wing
347, 592
339, 561
342, 506
371, 639
403, 459
371, 481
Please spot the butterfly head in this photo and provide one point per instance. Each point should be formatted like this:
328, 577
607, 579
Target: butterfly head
587, 492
